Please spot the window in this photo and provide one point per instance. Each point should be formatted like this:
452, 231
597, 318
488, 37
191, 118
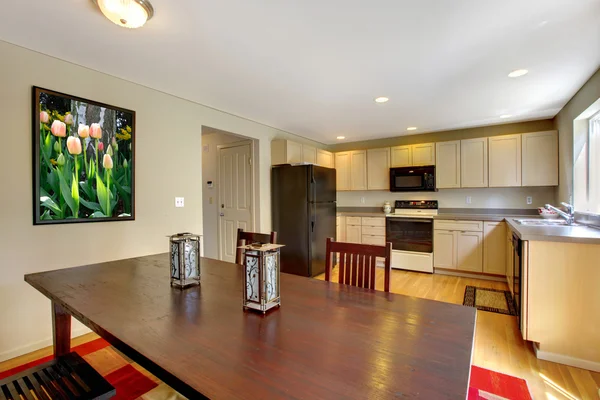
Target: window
586, 170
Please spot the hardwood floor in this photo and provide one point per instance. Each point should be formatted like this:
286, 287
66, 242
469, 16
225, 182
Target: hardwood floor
498, 344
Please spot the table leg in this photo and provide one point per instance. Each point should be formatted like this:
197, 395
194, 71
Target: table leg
61, 326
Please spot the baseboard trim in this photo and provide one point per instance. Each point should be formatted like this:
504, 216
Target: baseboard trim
567, 360
40, 344
461, 274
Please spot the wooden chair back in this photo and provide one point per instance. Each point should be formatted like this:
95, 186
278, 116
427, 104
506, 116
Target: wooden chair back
358, 263
244, 238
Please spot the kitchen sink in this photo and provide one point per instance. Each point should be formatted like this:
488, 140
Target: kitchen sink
544, 222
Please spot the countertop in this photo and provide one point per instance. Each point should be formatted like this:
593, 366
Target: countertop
565, 233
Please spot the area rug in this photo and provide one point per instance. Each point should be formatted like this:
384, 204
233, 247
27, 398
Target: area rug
130, 380
498, 301
492, 385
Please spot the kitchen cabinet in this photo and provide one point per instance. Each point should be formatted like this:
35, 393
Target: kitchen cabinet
342, 167
378, 169
494, 248
423, 154
444, 249
309, 154
474, 163
413, 155
325, 158
504, 161
340, 229
285, 152
447, 164
353, 233
401, 156
539, 159
469, 251
373, 230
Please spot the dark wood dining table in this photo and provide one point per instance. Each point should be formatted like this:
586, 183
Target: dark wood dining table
326, 341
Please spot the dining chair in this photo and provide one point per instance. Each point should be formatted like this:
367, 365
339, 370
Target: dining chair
358, 263
244, 238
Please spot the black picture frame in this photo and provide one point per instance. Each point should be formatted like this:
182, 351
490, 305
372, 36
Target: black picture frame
51, 204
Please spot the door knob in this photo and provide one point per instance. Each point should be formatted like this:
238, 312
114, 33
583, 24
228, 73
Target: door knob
222, 214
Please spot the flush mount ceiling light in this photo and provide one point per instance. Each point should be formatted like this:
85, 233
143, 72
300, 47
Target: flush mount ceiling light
381, 99
411, 128
126, 13
341, 137
517, 73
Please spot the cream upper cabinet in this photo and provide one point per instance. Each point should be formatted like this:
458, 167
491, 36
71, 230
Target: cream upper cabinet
423, 154
540, 158
448, 164
358, 170
474, 163
285, 152
444, 249
401, 156
469, 250
309, 154
378, 169
494, 248
325, 158
342, 167
504, 161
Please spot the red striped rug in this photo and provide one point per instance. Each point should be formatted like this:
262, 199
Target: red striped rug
131, 383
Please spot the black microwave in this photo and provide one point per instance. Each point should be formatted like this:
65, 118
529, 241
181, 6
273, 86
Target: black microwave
412, 179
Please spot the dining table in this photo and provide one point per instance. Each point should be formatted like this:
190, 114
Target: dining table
326, 340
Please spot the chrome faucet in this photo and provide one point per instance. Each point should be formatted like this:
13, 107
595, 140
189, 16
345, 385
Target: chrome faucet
569, 216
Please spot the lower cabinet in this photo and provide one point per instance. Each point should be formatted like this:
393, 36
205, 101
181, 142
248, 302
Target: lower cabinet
494, 248
459, 246
469, 251
444, 249
509, 260
365, 230
353, 233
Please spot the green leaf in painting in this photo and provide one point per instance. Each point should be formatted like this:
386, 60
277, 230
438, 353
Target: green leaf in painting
46, 216
75, 194
66, 193
90, 205
88, 189
51, 205
125, 193
102, 194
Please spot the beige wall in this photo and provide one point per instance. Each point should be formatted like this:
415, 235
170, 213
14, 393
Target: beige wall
455, 198
442, 136
168, 164
585, 97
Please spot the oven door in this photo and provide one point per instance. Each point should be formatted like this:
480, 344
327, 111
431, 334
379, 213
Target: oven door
410, 234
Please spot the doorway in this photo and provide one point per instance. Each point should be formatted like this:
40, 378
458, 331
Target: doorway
229, 195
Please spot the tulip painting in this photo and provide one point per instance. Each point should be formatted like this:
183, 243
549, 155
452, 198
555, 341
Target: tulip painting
85, 168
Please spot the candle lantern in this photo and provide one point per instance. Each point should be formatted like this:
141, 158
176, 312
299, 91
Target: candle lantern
185, 259
261, 277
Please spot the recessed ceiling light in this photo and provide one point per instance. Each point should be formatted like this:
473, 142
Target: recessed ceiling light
517, 73
411, 128
126, 13
505, 116
341, 137
381, 100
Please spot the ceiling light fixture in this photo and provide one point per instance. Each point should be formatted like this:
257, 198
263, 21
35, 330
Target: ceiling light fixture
126, 13
411, 128
341, 137
517, 73
505, 116
381, 99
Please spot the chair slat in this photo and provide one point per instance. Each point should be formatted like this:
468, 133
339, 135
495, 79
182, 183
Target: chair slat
3, 395
59, 384
35, 386
342, 267
355, 266
361, 270
47, 385
367, 273
348, 269
25, 392
13, 391
373, 267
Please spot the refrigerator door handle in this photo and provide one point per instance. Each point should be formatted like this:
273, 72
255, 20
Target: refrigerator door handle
314, 200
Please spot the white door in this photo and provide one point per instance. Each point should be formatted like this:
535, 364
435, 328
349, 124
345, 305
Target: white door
235, 197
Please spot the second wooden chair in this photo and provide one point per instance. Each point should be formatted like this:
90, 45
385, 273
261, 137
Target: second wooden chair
244, 238
358, 263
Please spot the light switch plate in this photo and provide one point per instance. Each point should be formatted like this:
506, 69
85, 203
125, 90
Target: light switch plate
179, 202
468, 199
362, 200
529, 200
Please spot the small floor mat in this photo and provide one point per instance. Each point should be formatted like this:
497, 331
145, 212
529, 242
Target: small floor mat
492, 300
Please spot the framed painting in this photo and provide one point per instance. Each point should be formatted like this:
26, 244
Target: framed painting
83, 160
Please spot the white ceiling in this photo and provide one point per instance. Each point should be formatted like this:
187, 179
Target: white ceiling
313, 67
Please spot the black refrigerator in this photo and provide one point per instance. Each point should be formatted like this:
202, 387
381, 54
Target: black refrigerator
304, 208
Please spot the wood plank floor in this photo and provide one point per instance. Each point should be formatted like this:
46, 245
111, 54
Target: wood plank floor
498, 343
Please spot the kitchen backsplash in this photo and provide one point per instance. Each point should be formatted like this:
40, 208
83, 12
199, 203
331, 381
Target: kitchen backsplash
456, 198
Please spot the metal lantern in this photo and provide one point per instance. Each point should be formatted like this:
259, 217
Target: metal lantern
185, 259
261, 277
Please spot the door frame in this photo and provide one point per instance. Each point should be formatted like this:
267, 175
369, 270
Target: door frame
250, 143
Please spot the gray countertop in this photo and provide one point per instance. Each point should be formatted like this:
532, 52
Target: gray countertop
565, 234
